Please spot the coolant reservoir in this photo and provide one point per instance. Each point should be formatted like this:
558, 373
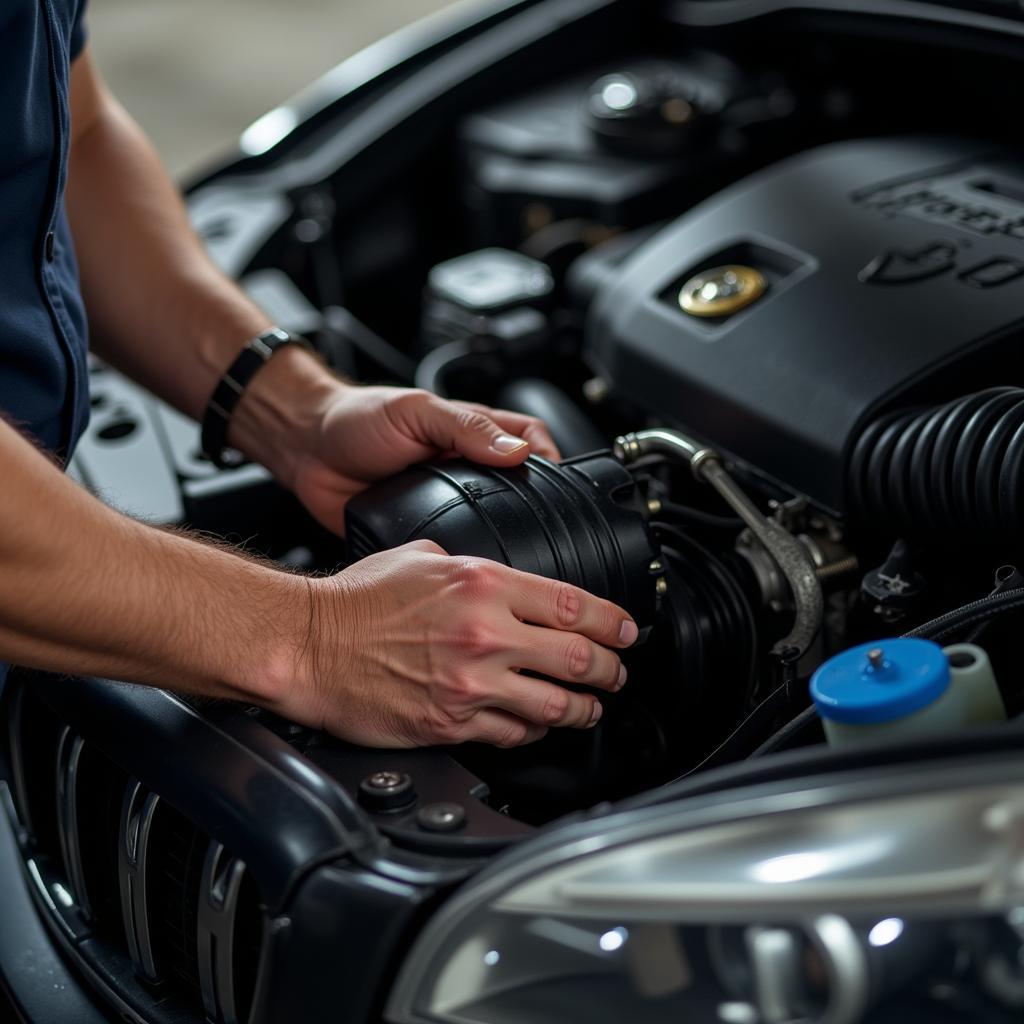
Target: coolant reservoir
905, 687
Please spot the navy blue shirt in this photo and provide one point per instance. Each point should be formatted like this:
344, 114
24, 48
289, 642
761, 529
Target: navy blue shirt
43, 338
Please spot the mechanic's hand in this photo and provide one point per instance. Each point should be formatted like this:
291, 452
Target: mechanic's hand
364, 434
411, 647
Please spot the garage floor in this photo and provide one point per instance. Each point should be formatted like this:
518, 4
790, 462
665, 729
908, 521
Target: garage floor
195, 73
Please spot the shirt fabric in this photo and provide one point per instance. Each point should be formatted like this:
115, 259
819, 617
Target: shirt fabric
43, 334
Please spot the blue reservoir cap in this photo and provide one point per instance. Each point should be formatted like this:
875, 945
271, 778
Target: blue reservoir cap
880, 682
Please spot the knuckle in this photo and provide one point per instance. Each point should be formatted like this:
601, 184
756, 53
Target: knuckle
578, 657
445, 729
556, 707
513, 734
472, 421
478, 579
427, 547
567, 605
477, 639
459, 689
408, 402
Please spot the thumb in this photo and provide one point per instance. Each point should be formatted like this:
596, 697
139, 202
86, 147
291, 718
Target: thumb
470, 432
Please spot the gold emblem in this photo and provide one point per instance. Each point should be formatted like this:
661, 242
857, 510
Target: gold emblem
722, 291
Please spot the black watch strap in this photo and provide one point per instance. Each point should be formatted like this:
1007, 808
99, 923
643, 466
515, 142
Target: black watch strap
230, 389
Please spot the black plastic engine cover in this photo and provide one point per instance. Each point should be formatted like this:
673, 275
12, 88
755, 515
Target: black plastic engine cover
886, 260
581, 521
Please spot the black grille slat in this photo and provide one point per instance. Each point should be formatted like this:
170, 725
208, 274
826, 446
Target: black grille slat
136, 824
176, 853
100, 797
218, 908
69, 757
34, 753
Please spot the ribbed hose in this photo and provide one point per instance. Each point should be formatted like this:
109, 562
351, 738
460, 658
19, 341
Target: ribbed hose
957, 466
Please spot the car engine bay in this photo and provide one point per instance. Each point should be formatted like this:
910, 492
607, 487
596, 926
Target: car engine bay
776, 351
769, 311
760, 268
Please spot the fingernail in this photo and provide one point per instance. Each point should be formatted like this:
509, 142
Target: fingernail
628, 632
622, 677
595, 715
506, 444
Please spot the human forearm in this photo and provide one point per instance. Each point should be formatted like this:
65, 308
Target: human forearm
89, 591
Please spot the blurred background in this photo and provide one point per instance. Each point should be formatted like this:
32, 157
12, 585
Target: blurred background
196, 73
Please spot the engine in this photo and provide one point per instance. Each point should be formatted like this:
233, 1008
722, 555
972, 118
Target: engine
887, 274
780, 408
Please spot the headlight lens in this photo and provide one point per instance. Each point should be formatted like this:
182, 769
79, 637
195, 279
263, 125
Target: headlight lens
817, 906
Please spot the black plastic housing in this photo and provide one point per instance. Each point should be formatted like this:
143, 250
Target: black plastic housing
582, 521
894, 267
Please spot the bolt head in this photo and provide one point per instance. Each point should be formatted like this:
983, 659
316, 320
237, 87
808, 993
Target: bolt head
445, 816
387, 790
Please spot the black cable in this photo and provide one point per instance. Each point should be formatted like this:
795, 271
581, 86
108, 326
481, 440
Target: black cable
971, 614
767, 709
699, 517
391, 359
792, 728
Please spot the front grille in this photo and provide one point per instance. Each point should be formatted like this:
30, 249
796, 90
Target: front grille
165, 903
177, 849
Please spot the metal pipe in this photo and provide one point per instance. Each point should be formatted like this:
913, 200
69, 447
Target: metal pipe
790, 555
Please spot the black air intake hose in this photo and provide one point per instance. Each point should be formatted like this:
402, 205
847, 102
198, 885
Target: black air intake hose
955, 466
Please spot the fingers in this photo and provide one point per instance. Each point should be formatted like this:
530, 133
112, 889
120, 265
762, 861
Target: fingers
468, 430
545, 704
571, 657
501, 729
527, 427
562, 606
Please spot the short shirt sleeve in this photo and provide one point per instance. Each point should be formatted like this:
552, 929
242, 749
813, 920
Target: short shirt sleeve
79, 32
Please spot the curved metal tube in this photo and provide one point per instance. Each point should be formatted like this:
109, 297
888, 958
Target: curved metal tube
792, 557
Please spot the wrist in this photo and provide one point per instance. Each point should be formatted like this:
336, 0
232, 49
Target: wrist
278, 417
303, 679
267, 665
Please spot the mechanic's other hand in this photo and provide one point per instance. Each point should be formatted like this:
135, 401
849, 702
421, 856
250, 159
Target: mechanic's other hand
364, 434
412, 647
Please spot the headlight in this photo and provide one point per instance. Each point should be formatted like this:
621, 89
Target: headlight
830, 904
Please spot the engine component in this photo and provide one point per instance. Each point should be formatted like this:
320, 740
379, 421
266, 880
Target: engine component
491, 281
957, 466
488, 298
908, 249
582, 521
893, 689
722, 291
572, 431
613, 147
895, 587
792, 557
657, 107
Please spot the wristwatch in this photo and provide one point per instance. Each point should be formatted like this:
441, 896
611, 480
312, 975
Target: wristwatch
231, 387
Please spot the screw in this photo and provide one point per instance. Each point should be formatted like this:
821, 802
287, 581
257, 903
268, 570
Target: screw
595, 390
387, 790
385, 780
654, 507
661, 586
655, 566
876, 657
